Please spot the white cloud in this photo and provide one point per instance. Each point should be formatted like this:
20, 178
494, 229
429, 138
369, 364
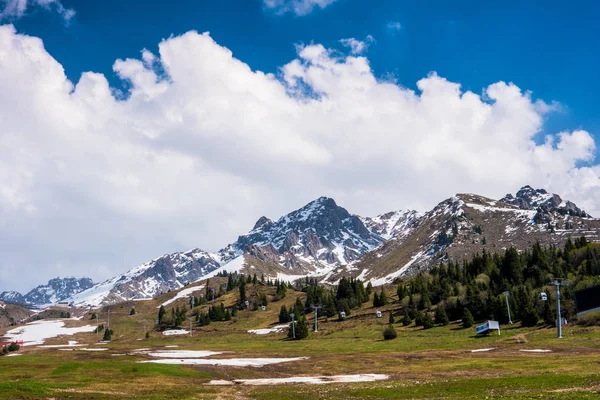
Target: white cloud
14, 9
393, 26
298, 7
92, 185
358, 46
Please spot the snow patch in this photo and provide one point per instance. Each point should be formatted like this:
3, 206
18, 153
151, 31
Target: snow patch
36, 333
266, 331
172, 332
182, 294
313, 380
231, 362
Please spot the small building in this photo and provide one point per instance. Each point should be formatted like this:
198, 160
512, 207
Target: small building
487, 327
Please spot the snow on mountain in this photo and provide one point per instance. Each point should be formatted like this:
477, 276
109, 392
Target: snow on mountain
169, 272
311, 240
393, 223
56, 290
12, 297
528, 198
467, 224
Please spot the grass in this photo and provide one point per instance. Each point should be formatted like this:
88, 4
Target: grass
434, 363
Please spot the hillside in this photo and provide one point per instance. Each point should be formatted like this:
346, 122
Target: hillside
467, 224
12, 313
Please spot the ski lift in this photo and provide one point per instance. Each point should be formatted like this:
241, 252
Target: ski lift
264, 308
378, 314
342, 315
543, 296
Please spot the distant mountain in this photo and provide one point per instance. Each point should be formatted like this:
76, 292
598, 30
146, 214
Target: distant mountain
56, 290
169, 272
309, 241
324, 240
467, 224
12, 297
393, 223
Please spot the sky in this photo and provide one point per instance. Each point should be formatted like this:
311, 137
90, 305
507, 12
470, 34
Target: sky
133, 129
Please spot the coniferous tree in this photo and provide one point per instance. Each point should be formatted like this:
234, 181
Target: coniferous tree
467, 319
406, 320
427, 321
243, 293
441, 317
391, 319
161, 314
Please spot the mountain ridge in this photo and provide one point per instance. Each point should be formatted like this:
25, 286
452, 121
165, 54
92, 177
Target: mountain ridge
324, 240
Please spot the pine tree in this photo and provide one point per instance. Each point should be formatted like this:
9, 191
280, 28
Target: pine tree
284, 315
441, 317
132, 312
243, 292
383, 299
376, 302
406, 320
427, 321
467, 319
369, 288
161, 314
391, 319
300, 328
529, 316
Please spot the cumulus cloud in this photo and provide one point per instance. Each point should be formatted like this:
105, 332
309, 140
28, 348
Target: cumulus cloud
298, 7
357, 46
203, 145
14, 9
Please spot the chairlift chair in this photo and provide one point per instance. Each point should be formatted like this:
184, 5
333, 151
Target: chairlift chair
543, 296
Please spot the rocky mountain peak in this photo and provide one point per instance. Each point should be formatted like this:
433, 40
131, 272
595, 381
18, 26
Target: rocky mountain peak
528, 198
262, 221
12, 297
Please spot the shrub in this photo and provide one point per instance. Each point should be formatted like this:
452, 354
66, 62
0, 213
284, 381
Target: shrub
389, 333
13, 347
108, 334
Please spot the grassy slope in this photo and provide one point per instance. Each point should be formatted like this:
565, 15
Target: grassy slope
435, 363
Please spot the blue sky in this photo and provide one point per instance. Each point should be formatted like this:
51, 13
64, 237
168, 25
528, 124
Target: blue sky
548, 47
96, 182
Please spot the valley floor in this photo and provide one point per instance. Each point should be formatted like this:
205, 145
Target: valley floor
419, 364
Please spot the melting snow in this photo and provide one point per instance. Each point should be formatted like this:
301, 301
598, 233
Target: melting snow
171, 332
390, 277
233, 362
36, 333
482, 350
266, 331
183, 353
315, 380
182, 294
536, 350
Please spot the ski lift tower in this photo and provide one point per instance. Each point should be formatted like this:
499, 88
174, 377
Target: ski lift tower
558, 282
316, 308
292, 315
506, 294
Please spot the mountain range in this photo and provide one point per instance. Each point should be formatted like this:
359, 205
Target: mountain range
56, 290
325, 241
